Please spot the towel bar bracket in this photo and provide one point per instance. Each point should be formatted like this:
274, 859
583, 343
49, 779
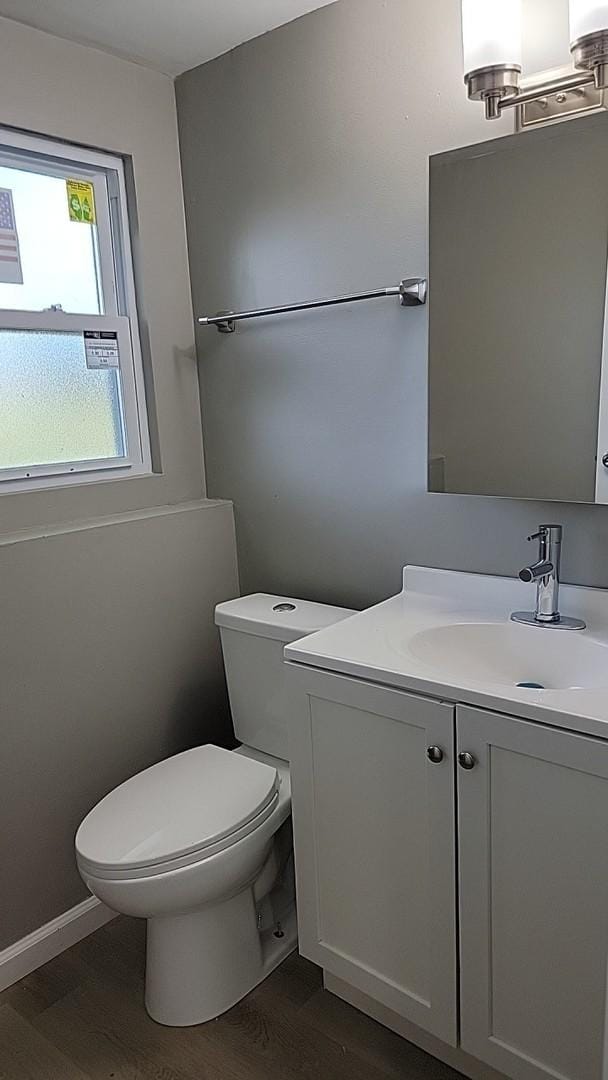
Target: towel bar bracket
225, 324
413, 292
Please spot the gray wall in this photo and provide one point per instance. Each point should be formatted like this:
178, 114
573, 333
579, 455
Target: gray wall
304, 157
110, 661
109, 657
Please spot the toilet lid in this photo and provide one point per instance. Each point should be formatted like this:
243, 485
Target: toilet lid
182, 805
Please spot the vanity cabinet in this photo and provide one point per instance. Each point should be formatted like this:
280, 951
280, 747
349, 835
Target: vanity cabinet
513, 972
374, 843
533, 861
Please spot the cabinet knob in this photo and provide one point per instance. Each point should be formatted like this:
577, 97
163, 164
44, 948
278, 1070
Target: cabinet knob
466, 760
435, 754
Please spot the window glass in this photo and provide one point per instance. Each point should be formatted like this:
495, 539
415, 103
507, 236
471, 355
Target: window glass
59, 257
72, 394
53, 408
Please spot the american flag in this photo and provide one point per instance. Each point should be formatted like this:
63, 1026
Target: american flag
10, 259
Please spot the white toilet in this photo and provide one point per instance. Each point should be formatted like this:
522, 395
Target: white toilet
200, 844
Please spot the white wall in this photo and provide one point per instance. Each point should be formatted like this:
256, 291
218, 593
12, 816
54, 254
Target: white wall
109, 658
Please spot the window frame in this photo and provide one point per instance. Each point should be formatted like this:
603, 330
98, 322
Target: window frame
117, 280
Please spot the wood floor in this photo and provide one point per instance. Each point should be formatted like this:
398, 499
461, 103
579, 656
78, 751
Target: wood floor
81, 1017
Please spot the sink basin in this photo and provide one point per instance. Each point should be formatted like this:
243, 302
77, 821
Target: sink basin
506, 654
448, 635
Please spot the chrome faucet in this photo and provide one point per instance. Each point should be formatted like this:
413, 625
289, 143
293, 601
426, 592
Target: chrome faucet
545, 572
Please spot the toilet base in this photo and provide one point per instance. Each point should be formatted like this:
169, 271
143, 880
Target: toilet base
199, 965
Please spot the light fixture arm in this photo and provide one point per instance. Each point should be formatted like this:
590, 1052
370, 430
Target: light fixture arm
568, 83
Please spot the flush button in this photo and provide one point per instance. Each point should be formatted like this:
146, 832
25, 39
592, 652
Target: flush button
284, 607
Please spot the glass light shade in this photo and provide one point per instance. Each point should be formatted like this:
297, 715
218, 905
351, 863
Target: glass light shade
491, 33
587, 17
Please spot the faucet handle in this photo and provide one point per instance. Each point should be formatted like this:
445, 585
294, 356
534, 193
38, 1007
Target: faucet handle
551, 532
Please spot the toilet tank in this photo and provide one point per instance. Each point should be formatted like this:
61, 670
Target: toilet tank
253, 631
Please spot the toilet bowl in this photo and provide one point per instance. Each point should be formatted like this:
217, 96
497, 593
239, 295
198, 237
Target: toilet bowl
200, 845
202, 898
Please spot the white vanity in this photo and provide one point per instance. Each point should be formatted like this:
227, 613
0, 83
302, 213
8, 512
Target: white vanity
451, 827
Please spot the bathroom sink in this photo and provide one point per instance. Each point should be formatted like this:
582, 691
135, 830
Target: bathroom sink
449, 636
506, 654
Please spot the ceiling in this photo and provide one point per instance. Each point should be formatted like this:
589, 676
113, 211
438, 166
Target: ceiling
169, 35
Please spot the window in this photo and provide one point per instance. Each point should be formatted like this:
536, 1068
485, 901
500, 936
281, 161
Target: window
72, 405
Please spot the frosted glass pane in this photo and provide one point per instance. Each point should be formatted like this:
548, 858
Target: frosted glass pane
54, 409
587, 17
58, 256
491, 33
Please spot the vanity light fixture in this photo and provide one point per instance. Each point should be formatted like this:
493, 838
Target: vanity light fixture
491, 38
492, 43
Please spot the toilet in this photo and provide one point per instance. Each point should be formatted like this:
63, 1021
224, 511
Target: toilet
200, 844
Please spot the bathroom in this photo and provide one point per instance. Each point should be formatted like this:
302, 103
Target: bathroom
265, 156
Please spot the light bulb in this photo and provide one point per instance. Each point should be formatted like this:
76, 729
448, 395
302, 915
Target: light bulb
589, 39
587, 17
491, 34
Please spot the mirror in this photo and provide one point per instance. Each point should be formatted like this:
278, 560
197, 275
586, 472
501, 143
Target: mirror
518, 401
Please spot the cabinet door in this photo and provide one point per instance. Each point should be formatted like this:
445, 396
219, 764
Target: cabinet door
533, 850
374, 841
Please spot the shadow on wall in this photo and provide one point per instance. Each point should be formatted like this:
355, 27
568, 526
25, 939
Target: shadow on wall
201, 714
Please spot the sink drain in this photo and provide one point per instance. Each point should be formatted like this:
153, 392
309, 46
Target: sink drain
531, 685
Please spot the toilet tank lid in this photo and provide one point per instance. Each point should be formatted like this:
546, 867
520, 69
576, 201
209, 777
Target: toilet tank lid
281, 617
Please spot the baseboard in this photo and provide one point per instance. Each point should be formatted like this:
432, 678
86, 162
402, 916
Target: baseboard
54, 937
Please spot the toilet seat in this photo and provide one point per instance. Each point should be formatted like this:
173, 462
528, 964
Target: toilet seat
178, 812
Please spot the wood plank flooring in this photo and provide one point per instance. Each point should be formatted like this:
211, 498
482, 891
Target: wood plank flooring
81, 1017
